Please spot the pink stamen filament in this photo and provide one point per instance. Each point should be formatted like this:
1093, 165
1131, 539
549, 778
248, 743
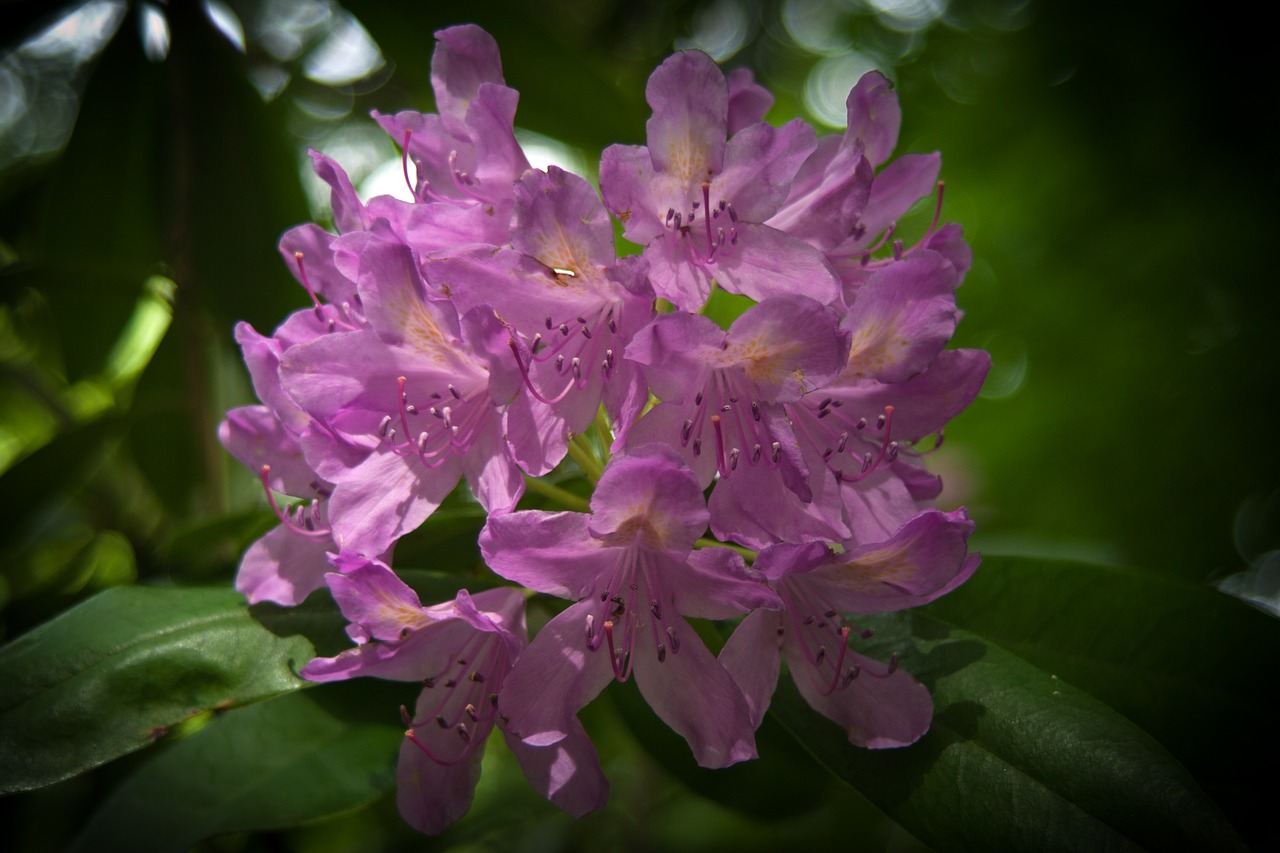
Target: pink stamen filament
600, 333
467, 690
898, 251
303, 519
459, 433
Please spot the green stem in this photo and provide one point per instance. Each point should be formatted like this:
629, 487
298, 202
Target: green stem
563, 496
747, 553
581, 453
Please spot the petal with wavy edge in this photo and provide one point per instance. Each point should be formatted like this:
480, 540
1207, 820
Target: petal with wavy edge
550, 552
902, 318
873, 117
690, 101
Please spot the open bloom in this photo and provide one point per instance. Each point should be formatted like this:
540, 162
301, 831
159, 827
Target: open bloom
631, 568
877, 704
461, 651
697, 200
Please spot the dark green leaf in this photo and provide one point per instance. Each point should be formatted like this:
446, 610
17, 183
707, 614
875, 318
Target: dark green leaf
1181, 660
1016, 758
114, 673
278, 763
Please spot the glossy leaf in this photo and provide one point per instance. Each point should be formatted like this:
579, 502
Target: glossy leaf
112, 674
1145, 644
1015, 759
278, 763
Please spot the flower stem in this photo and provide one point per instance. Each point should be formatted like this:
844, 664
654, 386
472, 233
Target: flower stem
747, 553
581, 452
563, 496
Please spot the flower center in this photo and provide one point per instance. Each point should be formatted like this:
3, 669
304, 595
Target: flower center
457, 422
718, 234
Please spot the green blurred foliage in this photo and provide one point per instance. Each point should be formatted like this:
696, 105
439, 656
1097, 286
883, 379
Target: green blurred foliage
1107, 164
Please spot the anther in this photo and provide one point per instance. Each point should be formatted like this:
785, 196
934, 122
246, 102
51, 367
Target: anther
471, 712
476, 677
755, 410
673, 639
405, 717
461, 729
441, 721
655, 609
755, 454
454, 391
861, 424
733, 459
880, 422
777, 451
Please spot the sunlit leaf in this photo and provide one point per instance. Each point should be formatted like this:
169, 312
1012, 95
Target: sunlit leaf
114, 673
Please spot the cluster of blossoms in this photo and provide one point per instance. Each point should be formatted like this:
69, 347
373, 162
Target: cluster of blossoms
487, 330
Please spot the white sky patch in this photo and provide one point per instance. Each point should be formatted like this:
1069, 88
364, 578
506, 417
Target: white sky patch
227, 22
827, 87
543, 151
154, 30
347, 54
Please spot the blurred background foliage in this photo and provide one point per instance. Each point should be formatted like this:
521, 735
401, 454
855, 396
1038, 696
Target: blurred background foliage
1106, 161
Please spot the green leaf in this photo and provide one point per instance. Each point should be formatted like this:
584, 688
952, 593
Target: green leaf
1181, 660
279, 763
1015, 759
112, 674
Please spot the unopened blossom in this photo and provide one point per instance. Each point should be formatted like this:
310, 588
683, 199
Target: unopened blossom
460, 651
696, 198
631, 568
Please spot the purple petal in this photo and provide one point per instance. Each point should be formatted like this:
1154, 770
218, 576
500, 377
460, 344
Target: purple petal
385, 497
902, 318
348, 212
648, 499
781, 363
370, 595
567, 773
752, 657
878, 709
465, 57
759, 165
430, 795
283, 567
748, 100
873, 117
690, 101
628, 183
766, 262
895, 189
694, 695
553, 678
923, 560
924, 403
549, 552
715, 583
561, 222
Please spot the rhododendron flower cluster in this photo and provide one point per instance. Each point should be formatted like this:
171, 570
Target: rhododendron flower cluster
768, 474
